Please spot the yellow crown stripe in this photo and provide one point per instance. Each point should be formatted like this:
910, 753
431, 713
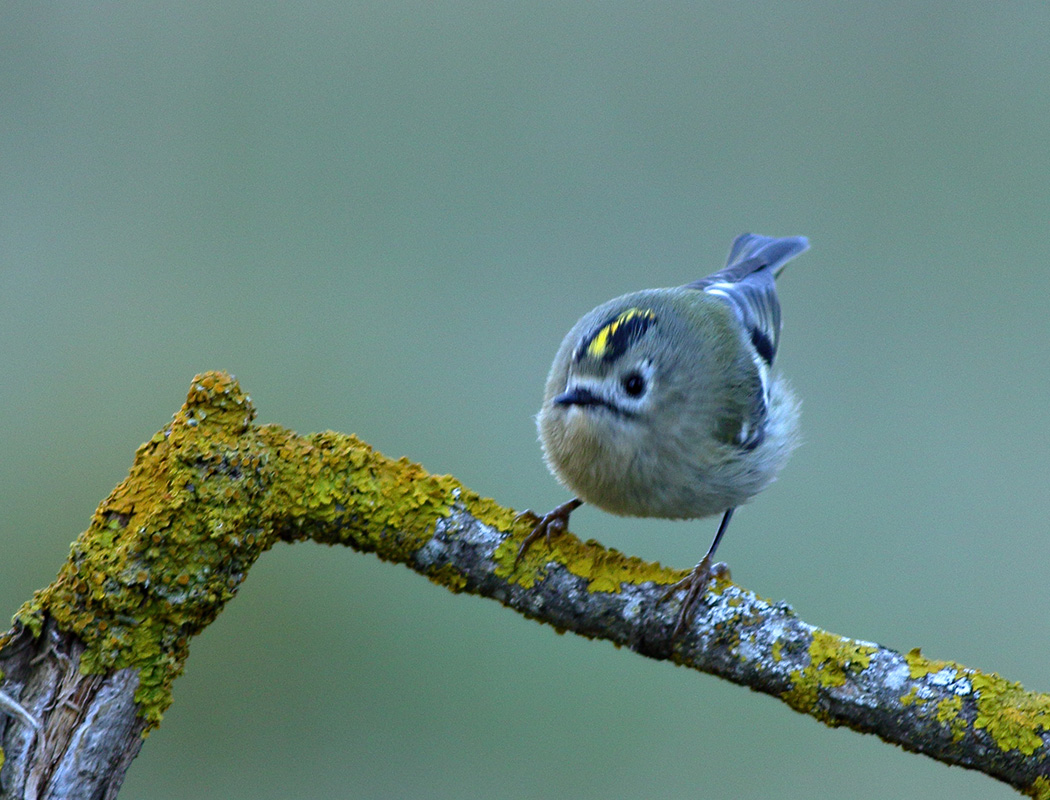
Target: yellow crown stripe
600, 344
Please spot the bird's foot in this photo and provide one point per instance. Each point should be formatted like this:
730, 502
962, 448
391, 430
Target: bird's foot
695, 584
553, 523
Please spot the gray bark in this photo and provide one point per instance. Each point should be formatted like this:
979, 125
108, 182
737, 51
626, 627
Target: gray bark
89, 728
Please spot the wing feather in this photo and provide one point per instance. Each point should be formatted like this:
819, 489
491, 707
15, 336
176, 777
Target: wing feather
747, 284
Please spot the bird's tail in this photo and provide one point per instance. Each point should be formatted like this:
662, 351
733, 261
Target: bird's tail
751, 252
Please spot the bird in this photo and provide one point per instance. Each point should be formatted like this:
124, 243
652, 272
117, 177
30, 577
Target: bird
664, 403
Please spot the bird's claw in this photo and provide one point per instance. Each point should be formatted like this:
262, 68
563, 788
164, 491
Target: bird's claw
695, 584
553, 523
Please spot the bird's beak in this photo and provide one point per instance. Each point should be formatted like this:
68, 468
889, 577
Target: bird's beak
578, 397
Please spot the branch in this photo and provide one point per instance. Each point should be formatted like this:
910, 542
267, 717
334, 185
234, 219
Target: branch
92, 658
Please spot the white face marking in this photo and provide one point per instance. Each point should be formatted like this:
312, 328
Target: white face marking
612, 391
592, 385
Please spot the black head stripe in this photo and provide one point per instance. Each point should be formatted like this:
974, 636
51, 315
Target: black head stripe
615, 335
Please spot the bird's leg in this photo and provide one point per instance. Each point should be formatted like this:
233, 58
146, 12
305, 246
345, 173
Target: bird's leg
697, 581
550, 524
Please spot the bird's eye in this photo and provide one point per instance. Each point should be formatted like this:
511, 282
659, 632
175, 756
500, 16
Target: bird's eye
633, 384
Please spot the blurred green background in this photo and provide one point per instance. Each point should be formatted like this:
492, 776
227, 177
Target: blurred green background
382, 217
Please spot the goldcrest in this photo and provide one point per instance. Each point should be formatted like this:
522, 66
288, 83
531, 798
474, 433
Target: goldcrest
664, 402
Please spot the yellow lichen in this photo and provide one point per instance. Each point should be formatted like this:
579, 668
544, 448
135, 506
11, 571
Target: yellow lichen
154, 567
205, 497
912, 697
1013, 717
949, 712
449, 577
832, 660
919, 666
606, 570
1039, 788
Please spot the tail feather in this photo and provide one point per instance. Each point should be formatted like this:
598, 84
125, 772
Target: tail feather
747, 285
751, 252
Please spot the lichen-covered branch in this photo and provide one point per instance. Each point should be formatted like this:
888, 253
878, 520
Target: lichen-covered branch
92, 657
